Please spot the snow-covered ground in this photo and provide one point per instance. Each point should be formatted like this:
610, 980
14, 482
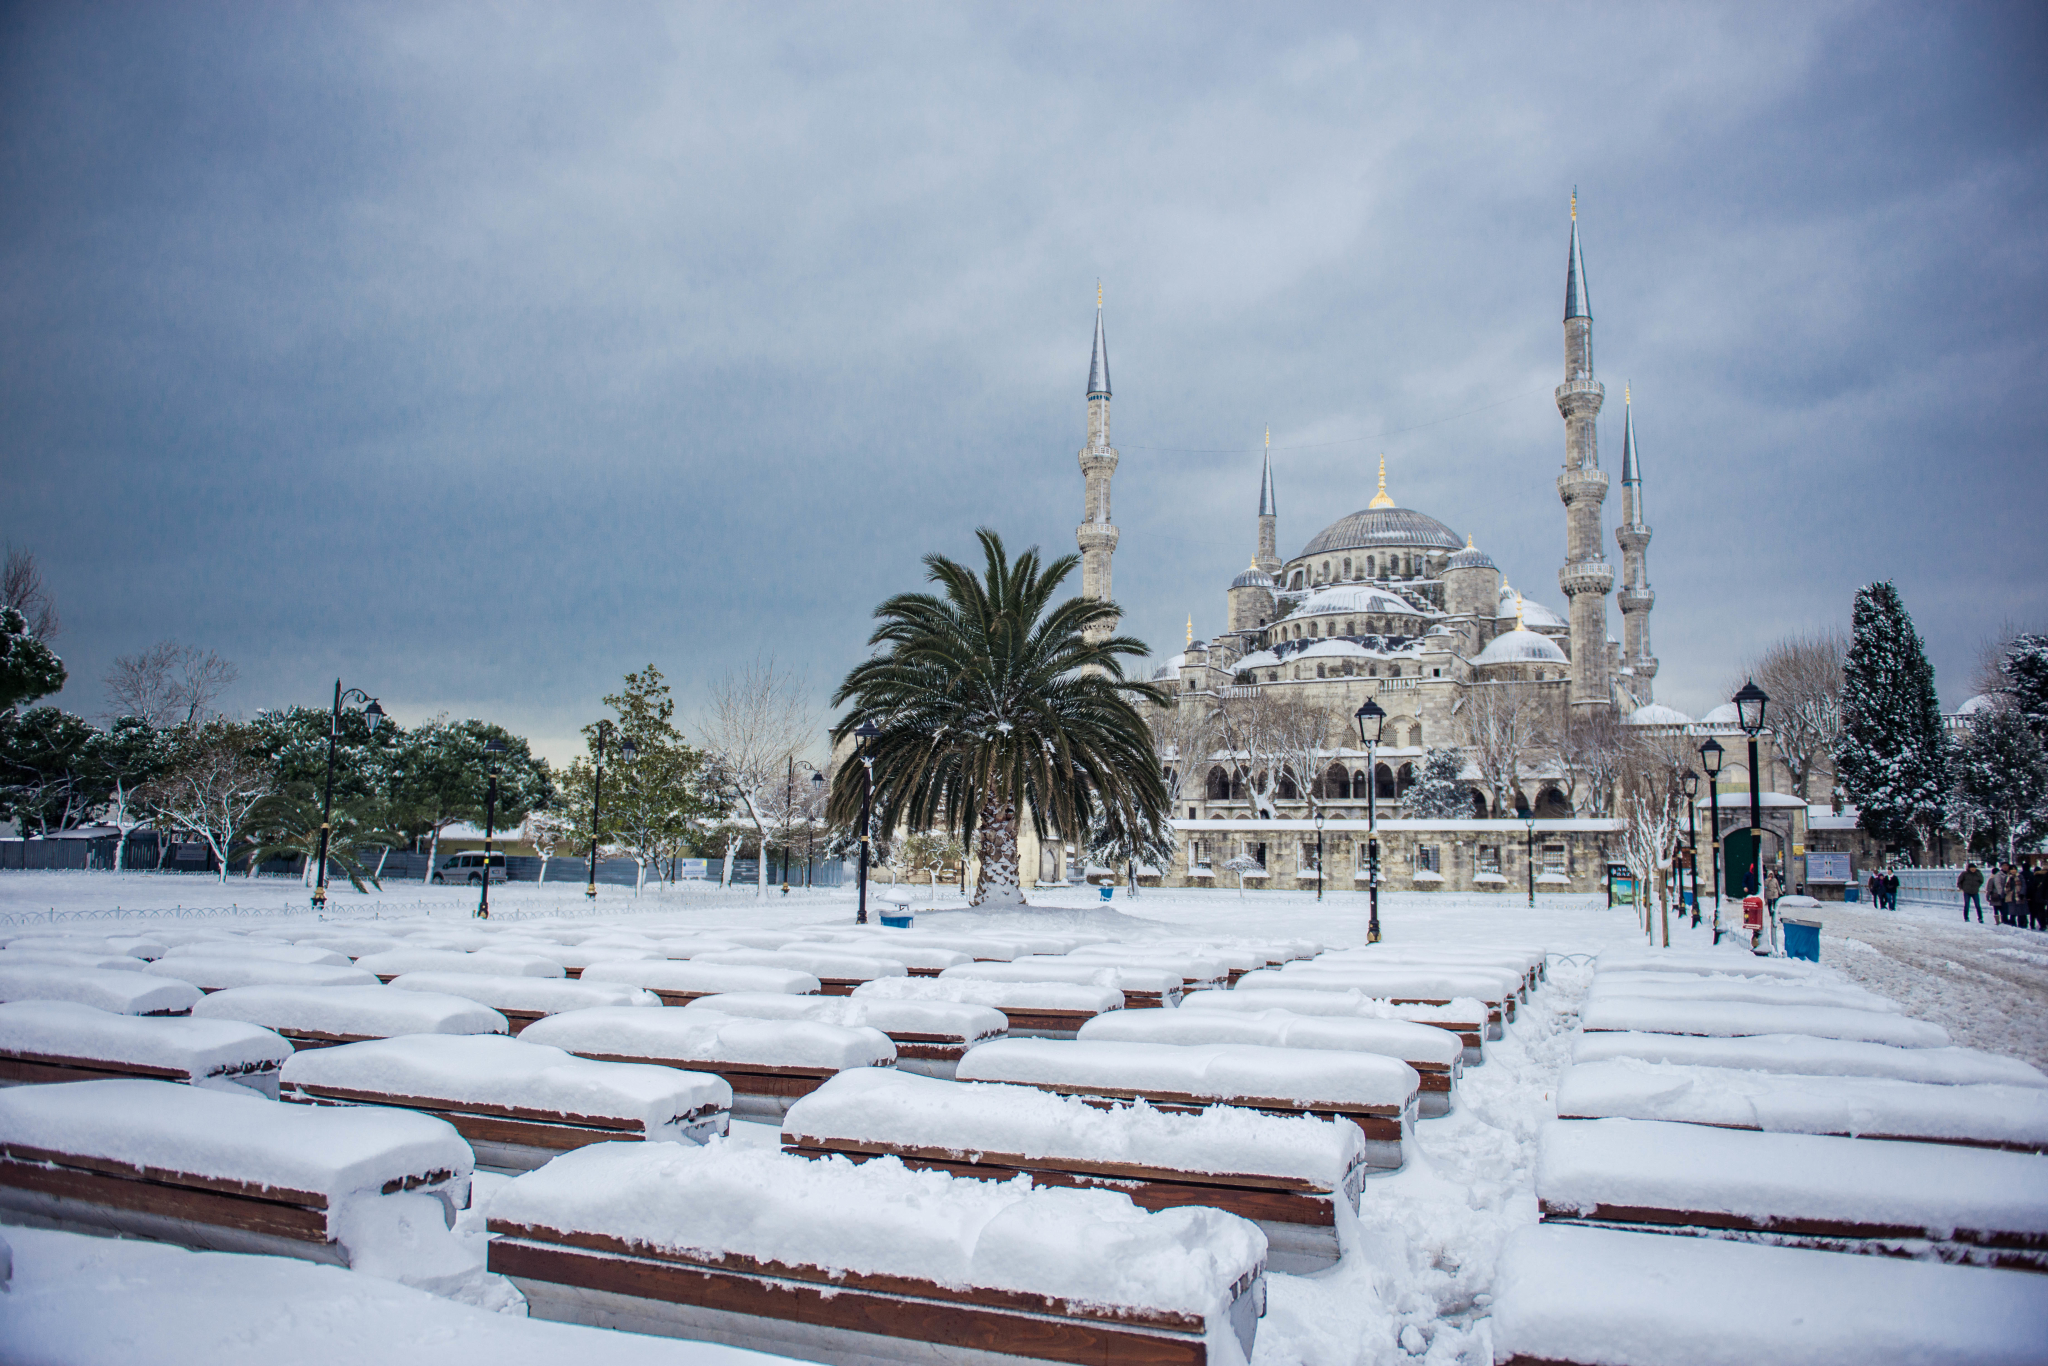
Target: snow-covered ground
1419, 1286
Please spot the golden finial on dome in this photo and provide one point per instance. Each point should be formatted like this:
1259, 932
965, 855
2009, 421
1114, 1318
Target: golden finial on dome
1575, 203
1518, 612
1098, 283
1191, 628
1625, 393
1380, 499
1468, 540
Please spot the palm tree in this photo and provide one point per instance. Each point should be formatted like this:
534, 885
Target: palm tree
989, 701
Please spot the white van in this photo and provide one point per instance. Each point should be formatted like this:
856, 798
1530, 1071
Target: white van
470, 868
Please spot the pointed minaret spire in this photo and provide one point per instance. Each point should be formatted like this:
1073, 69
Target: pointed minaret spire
1575, 305
1633, 535
1631, 476
1191, 628
1097, 535
1381, 499
1268, 557
1586, 577
1098, 364
1266, 501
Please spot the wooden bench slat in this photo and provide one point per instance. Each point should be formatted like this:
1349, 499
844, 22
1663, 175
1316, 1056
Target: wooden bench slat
22, 1152
277, 1218
1127, 1171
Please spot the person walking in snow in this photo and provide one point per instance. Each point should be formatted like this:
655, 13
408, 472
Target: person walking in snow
1969, 884
1772, 887
1998, 893
2037, 896
1891, 891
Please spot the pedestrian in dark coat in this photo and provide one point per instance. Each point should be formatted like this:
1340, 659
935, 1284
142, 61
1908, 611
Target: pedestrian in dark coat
2037, 897
1969, 884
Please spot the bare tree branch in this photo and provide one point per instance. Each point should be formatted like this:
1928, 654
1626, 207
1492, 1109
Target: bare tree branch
23, 589
1803, 675
761, 716
168, 683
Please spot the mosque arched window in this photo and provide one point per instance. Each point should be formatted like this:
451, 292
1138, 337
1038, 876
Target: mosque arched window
1337, 783
1372, 670
1394, 672
1415, 735
1219, 784
1368, 566
1319, 671
1287, 791
1347, 566
1404, 778
1311, 630
1358, 784
1383, 782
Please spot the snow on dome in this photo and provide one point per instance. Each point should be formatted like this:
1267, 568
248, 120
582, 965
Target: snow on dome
1657, 714
1534, 613
1170, 669
1352, 598
1723, 715
1982, 702
1470, 558
1253, 577
1258, 659
1519, 647
1343, 648
1383, 526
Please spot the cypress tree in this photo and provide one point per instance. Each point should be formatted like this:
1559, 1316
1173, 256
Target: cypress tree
1895, 759
2002, 777
2026, 668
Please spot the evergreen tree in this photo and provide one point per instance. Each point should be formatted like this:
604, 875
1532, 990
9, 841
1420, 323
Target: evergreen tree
2002, 780
1436, 794
1894, 760
28, 668
2026, 668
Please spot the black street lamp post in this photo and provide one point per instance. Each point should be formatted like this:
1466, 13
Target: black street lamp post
1371, 713
1749, 706
372, 713
1321, 873
627, 753
865, 734
1691, 785
811, 826
1710, 760
494, 749
1529, 850
789, 814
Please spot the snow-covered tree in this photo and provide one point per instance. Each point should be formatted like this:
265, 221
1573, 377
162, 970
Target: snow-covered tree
49, 779
1436, 794
546, 831
1650, 841
1504, 724
1894, 759
128, 754
761, 717
1803, 675
2002, 780
1590, 752
2026, 672
28, 668
1302, 732
1184, 733
215, 781
1248, 725
653, 801
170, 684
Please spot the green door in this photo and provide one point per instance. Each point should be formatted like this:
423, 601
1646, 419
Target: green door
1738, 852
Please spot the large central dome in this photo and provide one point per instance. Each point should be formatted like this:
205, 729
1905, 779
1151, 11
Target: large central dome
1383, 526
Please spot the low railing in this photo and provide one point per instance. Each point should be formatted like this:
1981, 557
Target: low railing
1931, 886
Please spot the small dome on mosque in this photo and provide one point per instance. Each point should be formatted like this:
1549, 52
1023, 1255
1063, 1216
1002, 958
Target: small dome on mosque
1521, 646
1352, 598
1254, 577
1470, 558
1723, 715
1657, 714
1170, 669
1258, 659
1980, 703
1534, 614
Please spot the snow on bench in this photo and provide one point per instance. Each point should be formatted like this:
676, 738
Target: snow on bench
1598, 1297
1437, 1055
979, 948
1502, 984
523, 1000
743, 938
350, 943
315, 955
210, 973
1046, 1010
231, 1172
1807, 1056
1733, 1019
1739, 962
1196, 973
679, 982
65, 958
395, 963
1400, 985
767, 1063
121, 946
1530, 963
1977, 1115
1142, 988
919, 960
519, 1104
930, 1036
320, 1017
574, 958
837, 1261
110, 989
56, 1041
1290, 1174
838, 973
1375, 1093
1465, 1018
1660, 986
1801, 1190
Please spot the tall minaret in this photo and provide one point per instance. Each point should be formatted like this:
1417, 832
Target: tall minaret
1634, 536
1097, 534
1586, 576
1268, 557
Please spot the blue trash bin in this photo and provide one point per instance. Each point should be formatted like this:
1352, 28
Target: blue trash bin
1802, 938
1852, 894
1108, 892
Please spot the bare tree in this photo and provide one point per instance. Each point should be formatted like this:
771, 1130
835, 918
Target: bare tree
168, 684
1246, 719
213, 785
760, 717
1803, 675
1302, 733
1185, 736
1650, 843
1590, 752
23, 589
1505, 723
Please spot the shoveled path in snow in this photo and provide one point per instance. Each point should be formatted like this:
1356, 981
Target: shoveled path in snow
1986, 984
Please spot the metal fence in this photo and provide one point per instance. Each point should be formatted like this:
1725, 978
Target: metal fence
1930, 887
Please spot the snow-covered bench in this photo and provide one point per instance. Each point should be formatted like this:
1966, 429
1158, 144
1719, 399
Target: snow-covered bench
1142, 988
1197, 972
210, 972
919, 960
117, 990
1045, 1010
1400, 985
519, 1104
523, 1000
834, 1261
54, 1041
1465, 1017
1807, 1056
930, 1036
395, 963
767, 1063
320, 1017
1289, 1174
1375, 1093
1734, 1019
978, 948
681, 982
210, 1169
1526, 964
1975, 1115
67, 958
1804, 1190
1437, 1055
837, 973
1678, 962
313, 955
1774, 991
1599, 1297
96, 944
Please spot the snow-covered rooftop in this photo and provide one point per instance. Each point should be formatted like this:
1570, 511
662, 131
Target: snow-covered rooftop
1519, 647
1657, 714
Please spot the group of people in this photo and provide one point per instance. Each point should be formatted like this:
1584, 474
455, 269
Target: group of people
2018, 894
1884, 890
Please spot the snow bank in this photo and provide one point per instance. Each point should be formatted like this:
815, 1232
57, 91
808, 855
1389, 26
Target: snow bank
231, 1135
879, 1218
1641, 1299
1223, 1072
705, 1036
1411, 1043
1732, 1019
826, 966
376, 1011
1073, 971
541, 994
1813, 1057
903, 1109
662, 974
124, 993
1660, 986
998, 995
1192, 969
1934, 1187
394, 962
210, 973
488, 1069
276, 953
204, 1050
901, 1020
2010, 1116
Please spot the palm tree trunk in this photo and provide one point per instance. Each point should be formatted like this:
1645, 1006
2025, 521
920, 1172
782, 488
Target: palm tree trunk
996, 845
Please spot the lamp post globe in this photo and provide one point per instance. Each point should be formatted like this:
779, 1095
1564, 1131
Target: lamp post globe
1750, 701
1372, 719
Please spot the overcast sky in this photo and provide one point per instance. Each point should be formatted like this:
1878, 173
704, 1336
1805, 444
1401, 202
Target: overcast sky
479, 354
